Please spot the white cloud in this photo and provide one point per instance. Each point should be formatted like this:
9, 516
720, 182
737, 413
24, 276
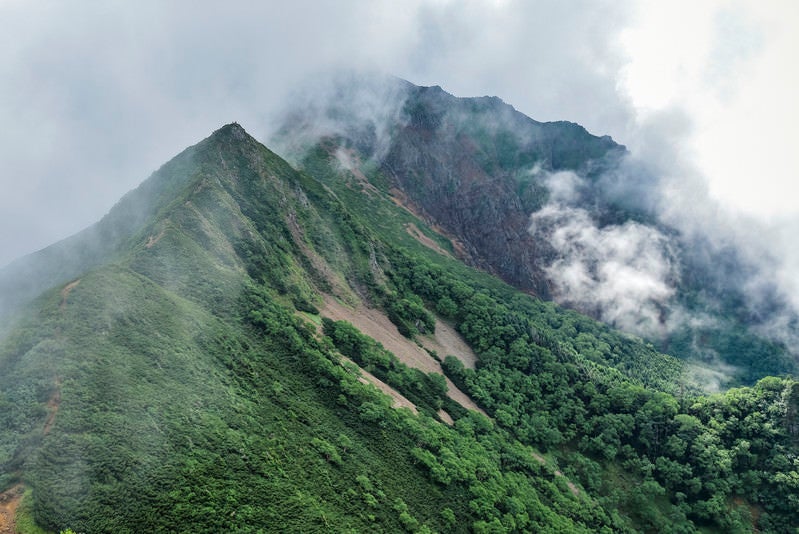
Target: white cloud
731, 67
563, 186
624, 273
97, 96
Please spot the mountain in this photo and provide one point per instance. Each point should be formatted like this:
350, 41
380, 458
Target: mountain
243, 346
466, 164
554, 211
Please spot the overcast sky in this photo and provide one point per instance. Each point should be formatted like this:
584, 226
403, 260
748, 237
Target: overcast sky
95, 96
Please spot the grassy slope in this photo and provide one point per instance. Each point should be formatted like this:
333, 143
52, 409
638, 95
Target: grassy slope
593, 348
150, 412
169, 416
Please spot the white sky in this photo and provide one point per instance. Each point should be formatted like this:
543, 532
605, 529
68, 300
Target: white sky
733, 67
94, 96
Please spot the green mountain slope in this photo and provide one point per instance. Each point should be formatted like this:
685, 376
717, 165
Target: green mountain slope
555, 211
27, 277
187, 376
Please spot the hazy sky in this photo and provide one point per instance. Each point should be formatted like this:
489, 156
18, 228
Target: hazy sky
95, 96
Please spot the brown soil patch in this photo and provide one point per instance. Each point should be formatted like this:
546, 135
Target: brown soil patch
398, 400
153, 239
448, 342
9, 502
424, 240
754, 511
446, 417
574, 489
351, 163
399, 198
319, 264
377, 325
558, 473
66, 291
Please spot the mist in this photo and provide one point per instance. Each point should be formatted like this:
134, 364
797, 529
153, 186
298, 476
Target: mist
361, 105
95, 98
624, 274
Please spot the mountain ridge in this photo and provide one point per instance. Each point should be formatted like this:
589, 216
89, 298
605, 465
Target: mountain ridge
548, 208
25, 277
188, 378
444, 131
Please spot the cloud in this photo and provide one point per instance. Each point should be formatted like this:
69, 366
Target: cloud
96, 97
551, 60
361, 105
626, 274
710, 377
731, 70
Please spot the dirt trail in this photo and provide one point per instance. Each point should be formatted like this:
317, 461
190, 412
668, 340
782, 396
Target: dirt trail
9, 501
424, 240
317, 261
153, 239
377, 325
400, 199
349, 159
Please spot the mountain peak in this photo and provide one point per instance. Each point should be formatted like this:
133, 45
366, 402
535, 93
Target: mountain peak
233, 129
228, 143
230, 133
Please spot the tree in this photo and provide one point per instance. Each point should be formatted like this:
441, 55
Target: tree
654, 419
790, 397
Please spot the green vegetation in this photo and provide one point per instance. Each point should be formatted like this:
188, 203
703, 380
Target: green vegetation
695, 460
426, 391
191, 385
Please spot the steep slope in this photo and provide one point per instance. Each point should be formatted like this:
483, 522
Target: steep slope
552, 210
188, 381
474, 166
174, 386
470, 164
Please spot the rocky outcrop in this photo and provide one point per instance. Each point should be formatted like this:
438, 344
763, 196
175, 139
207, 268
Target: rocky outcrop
476, 166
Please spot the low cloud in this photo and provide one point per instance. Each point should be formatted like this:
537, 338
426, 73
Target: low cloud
625, 274
97, 97
360, 105
712, 376
629, 274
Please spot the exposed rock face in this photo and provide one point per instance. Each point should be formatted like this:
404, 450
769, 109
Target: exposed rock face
475, 167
